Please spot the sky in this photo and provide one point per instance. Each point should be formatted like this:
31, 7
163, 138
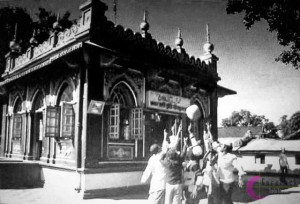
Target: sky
246, 57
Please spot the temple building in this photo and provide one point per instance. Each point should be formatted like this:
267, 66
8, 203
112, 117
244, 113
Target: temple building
87, 103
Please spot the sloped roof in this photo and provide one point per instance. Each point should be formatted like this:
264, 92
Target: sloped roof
269, 144
264, 145
222, 91
237, 131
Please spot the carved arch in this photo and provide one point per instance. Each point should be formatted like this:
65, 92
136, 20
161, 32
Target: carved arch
127, 81
122, 82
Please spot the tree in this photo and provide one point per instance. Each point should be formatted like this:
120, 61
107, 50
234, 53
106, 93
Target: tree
294, 122
282, 16
284, 125
243, 118
12, 16
9, 18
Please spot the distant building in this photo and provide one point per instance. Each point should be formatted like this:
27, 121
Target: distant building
87, 103
261, 154
238, 132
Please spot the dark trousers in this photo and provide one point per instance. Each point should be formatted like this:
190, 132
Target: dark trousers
284, 171
226, 190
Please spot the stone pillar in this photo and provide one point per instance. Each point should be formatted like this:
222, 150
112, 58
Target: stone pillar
3, 130
28, 153
213, 108
10, 133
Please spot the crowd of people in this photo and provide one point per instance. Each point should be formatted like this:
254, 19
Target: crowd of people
178, 173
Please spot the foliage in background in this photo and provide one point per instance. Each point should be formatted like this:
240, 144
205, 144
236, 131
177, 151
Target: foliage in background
282, 16
12, 16
243, 118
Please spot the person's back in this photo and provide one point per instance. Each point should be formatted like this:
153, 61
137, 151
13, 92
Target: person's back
156, 171
173, 164
173, 171
158, 180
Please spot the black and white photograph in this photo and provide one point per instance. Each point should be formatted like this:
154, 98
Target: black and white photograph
149, 101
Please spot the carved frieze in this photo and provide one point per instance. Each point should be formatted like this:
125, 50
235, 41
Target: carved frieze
132, 77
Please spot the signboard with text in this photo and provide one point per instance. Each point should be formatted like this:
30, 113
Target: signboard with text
167, 102
96, 107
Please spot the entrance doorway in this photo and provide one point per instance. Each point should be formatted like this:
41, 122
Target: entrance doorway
159, 122
37, 126
37, 135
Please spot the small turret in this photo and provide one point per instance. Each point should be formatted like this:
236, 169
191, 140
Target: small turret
33, 42
144, 26
56, 24
179, 42
208, 47
13, 44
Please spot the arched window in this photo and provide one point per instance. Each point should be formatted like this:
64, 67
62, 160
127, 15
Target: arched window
67, 113
38, 102
17, 120
37, 117
124, 118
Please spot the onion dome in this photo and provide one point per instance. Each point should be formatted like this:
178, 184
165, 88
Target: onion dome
208, 47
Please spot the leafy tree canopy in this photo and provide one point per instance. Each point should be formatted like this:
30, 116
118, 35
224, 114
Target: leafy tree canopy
243, 118
16, 22
282, 16
290, 127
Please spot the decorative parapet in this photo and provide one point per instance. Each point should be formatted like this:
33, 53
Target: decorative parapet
56, 41
132, 38
93, 18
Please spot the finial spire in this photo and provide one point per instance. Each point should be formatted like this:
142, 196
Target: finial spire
56, 25
145, 15
33, 41
145, 25
115, 10
208, 47
58, 17
179, 33
13, 44
179, 42
16, 30
207, 33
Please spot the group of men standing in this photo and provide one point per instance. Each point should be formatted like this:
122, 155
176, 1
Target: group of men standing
177, 176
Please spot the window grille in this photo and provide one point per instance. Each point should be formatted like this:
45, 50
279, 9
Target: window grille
137, 123
114, 121
68, 120
17, 126
52, 121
